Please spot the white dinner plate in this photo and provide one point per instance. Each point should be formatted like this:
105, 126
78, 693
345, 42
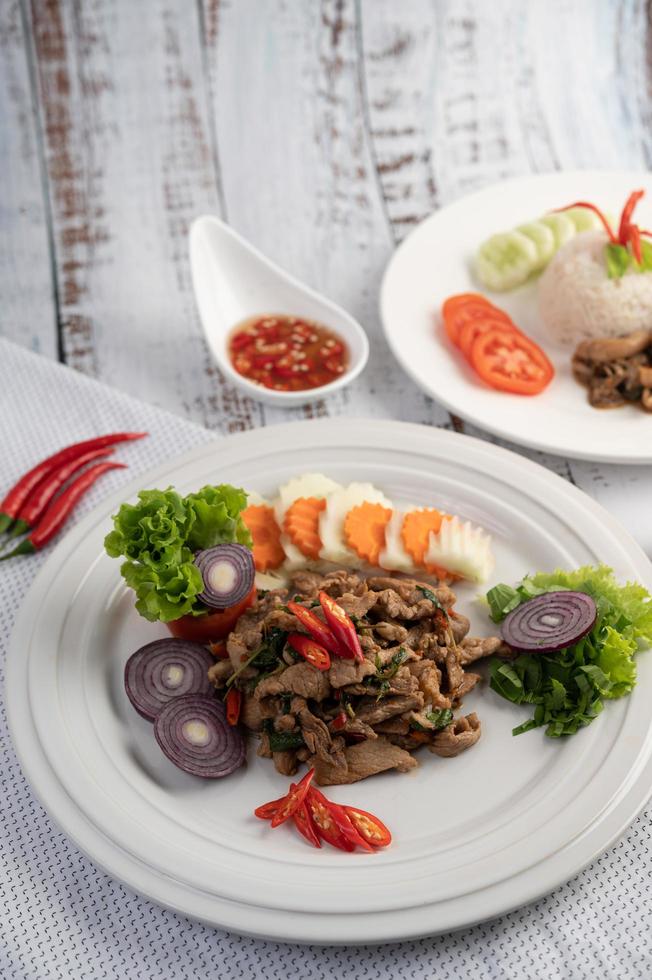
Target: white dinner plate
435, 261
474, 836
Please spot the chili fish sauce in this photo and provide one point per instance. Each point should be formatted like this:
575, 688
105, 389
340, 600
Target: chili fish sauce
287, 353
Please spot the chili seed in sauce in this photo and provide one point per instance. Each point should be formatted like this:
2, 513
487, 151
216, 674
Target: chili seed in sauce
287, 353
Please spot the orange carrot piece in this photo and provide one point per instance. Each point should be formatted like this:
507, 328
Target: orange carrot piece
261, 523
364, 530
415, 534
301, 524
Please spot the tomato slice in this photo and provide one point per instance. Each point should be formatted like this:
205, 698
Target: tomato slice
458, 310
311, 652
369, 826
293, 800
233, 703
212, 626
304, 824
473, 328
511, 362
325, 823
267, 810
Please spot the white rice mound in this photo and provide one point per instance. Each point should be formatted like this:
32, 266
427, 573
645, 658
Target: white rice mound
577, 299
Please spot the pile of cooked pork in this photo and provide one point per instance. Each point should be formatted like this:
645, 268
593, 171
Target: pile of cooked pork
616, 370
402, 696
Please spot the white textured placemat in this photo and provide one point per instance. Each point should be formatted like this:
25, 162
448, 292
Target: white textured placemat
60, 917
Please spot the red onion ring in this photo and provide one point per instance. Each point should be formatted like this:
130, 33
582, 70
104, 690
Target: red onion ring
227, 571
194, 734
549, 622
163, 670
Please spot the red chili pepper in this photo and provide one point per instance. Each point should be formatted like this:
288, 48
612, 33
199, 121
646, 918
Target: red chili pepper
596, 210
624, 231
19, 493
339, 721
305, 825
343, 628
317, 629
325, 823
342, 821
293, 800
59, 510
635, 242
313, 653
267, 810
35, 506
233, 704
219, 650
369, 826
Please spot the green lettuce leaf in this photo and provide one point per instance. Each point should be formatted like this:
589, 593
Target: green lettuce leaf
159, 536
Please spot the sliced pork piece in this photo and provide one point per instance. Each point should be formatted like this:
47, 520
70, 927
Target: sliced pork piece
318, 738
357, 606
285, 762
393, 632
376, 711
343, 672
219, 673
460, 735
251, 715
428, 676
459, 626
474, 648
363, 760
302, 679
410, 590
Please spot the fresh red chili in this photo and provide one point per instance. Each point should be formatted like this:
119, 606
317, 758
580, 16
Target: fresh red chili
313, 653
305, 825
293, 800
35, 506
59, 510
19, 493
596, 210
369, 826
626, 226
319, 631
324, 822
635, 241
342, 627
233, 704
341, 820
339, 721
267, 810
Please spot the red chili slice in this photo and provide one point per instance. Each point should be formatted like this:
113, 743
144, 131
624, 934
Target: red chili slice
369, 826
341, 820
325, 823
233, 704
317, 629
304, 824
267, 810
293, 800
342, 627
313, 653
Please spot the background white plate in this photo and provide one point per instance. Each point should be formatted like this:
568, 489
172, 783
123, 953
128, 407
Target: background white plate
474, 836
434, 262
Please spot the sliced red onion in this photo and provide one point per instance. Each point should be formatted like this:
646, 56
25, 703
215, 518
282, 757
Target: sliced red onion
194, 734
549, 622
228, 572
163, 670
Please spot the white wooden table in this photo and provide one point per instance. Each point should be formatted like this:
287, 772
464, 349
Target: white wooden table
322, 130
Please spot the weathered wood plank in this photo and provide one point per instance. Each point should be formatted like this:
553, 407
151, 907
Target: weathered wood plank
297, 173
27, 309
130, 164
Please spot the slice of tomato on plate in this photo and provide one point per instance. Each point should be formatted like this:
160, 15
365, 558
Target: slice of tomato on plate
473, 328
510, 361
212, 626
459, 309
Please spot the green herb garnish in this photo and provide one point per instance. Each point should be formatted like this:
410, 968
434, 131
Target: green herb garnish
569, 688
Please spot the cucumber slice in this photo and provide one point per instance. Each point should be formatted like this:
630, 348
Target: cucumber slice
543, 238
584, 219
561, 226
506, 260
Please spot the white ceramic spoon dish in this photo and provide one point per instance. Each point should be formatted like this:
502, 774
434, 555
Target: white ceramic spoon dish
234, 281
474, 836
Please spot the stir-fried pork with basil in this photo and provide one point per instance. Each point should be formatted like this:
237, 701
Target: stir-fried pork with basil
357, 718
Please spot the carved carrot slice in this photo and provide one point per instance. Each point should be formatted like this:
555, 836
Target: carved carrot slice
415, 534
261, 522
364, 530
301, 524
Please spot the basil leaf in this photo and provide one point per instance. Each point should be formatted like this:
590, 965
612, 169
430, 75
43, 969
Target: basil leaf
502, 599
284, 741
618, 260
